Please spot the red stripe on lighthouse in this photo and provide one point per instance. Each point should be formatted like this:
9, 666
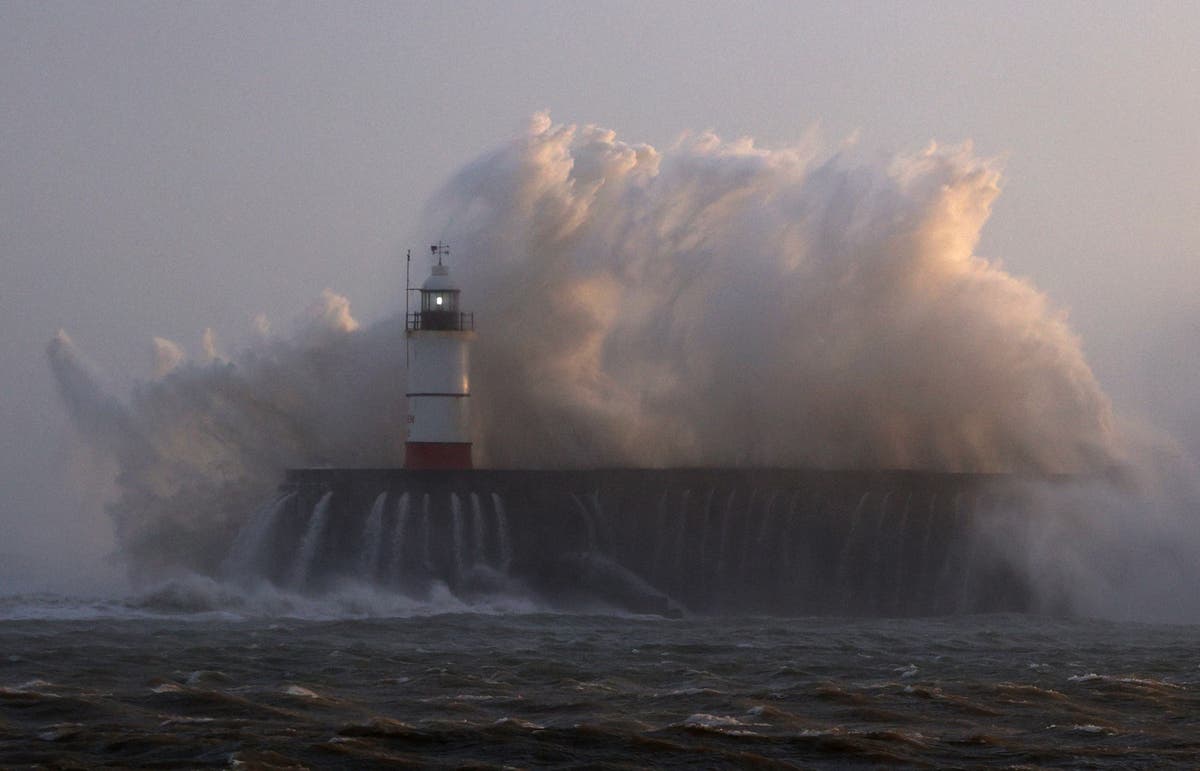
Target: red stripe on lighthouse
437, 455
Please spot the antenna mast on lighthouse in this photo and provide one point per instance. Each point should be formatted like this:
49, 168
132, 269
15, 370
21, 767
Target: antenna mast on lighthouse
439, 336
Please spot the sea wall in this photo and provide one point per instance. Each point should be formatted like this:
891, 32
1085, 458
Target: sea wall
664, 541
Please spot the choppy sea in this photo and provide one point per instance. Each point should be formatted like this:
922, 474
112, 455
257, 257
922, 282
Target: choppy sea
197, 676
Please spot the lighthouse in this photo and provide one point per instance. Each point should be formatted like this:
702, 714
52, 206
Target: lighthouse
439, 335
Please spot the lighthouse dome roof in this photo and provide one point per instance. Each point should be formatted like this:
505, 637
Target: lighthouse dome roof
439, 281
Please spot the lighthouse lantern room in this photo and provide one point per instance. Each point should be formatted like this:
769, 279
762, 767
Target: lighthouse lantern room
439, 337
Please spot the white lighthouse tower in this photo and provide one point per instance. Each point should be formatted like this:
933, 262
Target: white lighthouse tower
439, 388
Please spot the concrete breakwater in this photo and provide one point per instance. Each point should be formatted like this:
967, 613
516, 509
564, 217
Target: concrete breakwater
774, 541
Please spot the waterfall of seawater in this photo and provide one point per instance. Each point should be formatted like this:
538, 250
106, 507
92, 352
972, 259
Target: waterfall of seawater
897, 543
681, 522
589, 525
898, 576
502, 536
427, 534
372, 539
478, 536
847, 570
250, 542
457, 549
398, 535
311, 542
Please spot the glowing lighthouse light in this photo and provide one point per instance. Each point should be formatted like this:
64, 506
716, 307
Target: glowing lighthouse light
439, 337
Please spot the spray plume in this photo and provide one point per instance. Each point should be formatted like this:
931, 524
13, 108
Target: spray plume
200, 445
722, 304
712, 304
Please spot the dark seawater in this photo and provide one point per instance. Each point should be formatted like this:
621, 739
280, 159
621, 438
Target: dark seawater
185, 679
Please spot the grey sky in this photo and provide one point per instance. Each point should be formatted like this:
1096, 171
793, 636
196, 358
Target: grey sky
170, 167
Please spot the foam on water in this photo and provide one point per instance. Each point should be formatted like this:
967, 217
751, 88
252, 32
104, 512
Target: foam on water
203, 598
468, 689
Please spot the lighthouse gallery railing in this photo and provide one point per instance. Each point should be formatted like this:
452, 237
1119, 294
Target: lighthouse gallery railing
441, 321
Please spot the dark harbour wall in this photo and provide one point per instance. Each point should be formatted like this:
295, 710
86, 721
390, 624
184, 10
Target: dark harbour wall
662, 541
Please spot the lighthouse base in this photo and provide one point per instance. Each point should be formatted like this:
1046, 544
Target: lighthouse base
437, 455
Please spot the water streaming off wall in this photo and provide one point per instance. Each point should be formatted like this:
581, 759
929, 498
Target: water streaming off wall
664, 541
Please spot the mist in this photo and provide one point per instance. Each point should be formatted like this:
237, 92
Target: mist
721, 304
712, 303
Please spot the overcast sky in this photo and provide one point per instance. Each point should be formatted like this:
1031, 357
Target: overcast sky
170, 167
